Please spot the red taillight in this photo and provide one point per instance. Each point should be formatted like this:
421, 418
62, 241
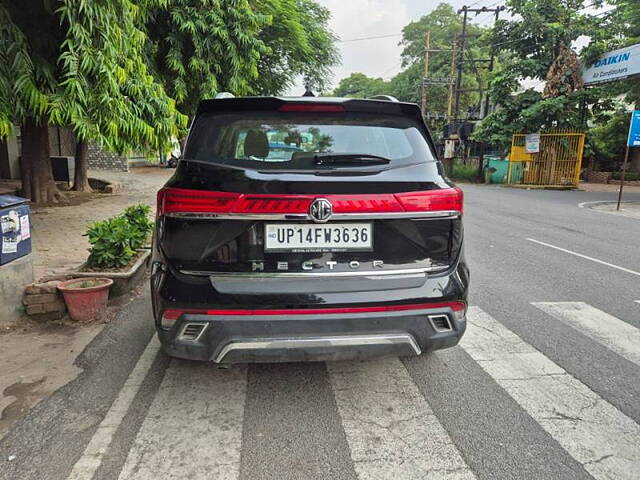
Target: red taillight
310, 107
180, 200
173, 200
273, 204
432, 200
377, 203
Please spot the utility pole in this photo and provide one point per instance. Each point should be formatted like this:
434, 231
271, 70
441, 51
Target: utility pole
451, 75
461, 57
463, 37
491, 62
484, 102
427, 47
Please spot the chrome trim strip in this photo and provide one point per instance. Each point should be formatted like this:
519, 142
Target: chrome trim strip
332, 341
445, 214
263, 275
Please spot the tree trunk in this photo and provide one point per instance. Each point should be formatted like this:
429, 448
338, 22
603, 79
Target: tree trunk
37, 175
81, 177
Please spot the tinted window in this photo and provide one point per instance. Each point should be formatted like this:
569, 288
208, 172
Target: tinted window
280, 140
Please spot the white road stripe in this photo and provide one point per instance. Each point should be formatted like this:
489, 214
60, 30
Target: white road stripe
627, 270
91, 459
391, 431
594, 432
597, 202
194, 426
605, 329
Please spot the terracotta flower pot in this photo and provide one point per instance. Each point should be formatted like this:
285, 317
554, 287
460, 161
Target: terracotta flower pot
86, 298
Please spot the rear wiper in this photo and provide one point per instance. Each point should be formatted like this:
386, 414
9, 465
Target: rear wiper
350, 159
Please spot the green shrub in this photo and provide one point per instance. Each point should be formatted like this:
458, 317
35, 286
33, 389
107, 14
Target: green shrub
138, 216
627, 176
114, 241
111, 242
468, 173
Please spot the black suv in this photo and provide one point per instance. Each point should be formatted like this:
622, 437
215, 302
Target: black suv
308, 229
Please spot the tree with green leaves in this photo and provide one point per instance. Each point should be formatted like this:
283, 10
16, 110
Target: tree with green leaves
202, 47
358, 85
537, 50
620, 27
80, 64
299, 44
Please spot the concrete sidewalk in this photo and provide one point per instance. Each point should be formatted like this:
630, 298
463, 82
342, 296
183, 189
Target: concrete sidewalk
627, 209
38, 359
605, 187
58, 241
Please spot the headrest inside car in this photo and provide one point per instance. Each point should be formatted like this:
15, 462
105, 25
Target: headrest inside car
256, 144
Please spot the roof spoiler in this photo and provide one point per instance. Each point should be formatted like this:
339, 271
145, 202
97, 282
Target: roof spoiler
387, 98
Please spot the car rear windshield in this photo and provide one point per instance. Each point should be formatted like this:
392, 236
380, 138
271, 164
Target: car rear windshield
279, 140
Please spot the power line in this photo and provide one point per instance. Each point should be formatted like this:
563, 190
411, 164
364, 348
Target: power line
370, 38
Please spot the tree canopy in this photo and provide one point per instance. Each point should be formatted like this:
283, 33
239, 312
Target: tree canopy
127, 73
537, 44
299, 43
201, 47
79, 64
358, 85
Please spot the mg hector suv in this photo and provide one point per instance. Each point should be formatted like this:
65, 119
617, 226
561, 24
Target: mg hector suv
308, 229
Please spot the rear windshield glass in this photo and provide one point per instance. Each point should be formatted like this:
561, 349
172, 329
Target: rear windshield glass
283, 140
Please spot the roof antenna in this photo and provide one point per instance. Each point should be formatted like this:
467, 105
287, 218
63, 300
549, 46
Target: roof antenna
307, 91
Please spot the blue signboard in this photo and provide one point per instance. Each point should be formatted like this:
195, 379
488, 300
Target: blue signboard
634, 130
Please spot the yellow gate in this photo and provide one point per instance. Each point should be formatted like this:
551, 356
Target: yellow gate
558, 162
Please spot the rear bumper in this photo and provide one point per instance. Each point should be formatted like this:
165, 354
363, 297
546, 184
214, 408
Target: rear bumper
311, 337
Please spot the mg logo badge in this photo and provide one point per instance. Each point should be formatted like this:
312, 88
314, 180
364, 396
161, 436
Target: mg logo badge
320, 210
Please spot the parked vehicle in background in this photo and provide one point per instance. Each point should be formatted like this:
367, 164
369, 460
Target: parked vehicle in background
342, 240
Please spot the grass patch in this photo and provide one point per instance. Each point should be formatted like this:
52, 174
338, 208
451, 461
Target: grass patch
465, 173
627, 176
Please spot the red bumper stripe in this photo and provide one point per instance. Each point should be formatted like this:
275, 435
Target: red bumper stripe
455, 306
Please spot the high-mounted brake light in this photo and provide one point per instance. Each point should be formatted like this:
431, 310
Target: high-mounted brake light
310, 107
179, 200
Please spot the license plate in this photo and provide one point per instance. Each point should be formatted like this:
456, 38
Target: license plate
302, 237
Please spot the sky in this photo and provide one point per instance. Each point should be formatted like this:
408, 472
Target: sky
354, 19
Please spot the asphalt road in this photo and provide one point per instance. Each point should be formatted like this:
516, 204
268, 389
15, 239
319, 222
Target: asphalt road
545, 384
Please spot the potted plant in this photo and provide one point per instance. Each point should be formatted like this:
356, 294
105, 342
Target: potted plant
86, 298
118, 249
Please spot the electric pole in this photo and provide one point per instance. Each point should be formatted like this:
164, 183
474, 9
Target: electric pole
491, 62
461, 57
463, 37
427, 46
451, 76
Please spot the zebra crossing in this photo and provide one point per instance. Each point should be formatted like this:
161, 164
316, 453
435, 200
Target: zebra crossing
196, 426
